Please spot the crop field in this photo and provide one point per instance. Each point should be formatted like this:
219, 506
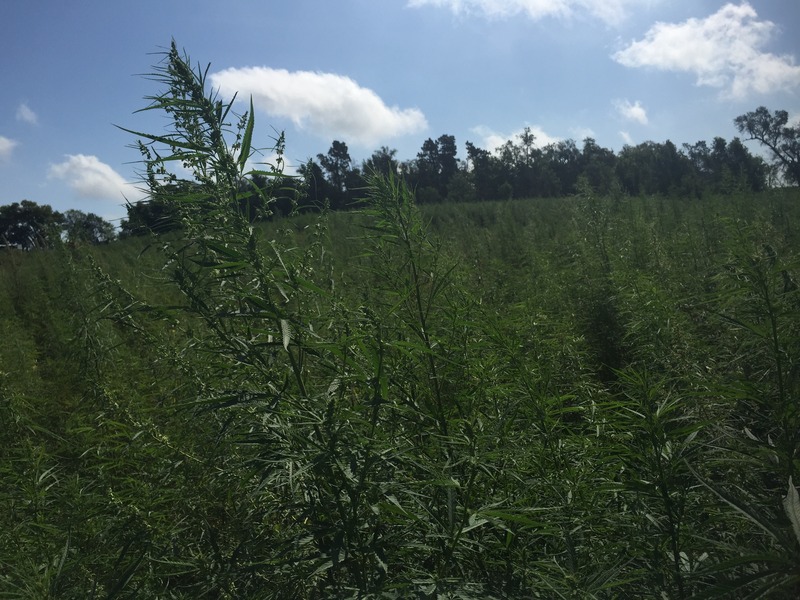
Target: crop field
585, 397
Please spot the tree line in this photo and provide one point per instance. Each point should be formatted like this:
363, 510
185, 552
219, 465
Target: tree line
26, 225
517, 169
522, 169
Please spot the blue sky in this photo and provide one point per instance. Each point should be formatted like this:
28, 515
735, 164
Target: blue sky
377, 73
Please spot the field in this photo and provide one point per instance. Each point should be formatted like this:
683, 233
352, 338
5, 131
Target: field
573, 398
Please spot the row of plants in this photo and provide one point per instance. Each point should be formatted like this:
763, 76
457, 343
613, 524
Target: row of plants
590, 398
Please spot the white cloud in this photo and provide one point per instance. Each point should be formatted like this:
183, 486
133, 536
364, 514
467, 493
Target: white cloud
326, 104
25, 114
6, 147
631, 112
626, 137
722, 51
611, 12
492, 140
581, 133
92, 178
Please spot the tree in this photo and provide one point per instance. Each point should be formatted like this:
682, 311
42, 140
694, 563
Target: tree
382, 162
150, 216
448, 163
527, 149
672, 169
724, 167
483, 168
522, 166
773, 131
598, 166
435, 166
27, 225
88, 228
746, 170
427, 166
341, 175
564, 158
315, 186
461, 188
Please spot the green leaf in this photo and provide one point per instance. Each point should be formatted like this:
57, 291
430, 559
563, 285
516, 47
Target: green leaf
244, 151
740, 506
791, 504
311, 287
517, 516
171, 142
286, 332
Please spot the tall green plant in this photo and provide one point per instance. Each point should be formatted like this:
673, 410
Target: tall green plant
756, 304
352, 423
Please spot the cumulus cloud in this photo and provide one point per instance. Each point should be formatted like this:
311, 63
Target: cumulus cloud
6, 147
723, 50
491, 140
631, 112
92, 178
611, 12
329, 105
26, 115
626, 137
581, 133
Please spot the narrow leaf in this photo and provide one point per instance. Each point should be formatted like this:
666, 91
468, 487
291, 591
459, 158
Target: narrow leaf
791, 504
286, 331
172, 142
244, 151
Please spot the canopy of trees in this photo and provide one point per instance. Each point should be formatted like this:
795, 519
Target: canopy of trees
774, 132
26, 225
518, 169
522, 169
88, 228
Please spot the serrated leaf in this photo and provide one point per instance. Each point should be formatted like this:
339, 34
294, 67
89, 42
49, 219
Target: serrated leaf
791, 504
247, 138
286, 332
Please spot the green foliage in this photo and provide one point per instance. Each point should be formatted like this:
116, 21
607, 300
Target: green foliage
586, 398
26, 225
780, 138
87, 228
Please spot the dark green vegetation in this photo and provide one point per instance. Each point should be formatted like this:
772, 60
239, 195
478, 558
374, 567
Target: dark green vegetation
26, 225
592, 397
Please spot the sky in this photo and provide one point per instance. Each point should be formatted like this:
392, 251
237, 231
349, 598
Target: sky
375, 73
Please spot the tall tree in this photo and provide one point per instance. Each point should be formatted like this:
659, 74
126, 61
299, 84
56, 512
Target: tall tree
316, 189
434, 167
341, 175
565, 160
482, 169
336, 163
773, 131
598, 166
527, 140
26, 225
427, 170
383, 161
748, 171
87, 228
724, 167
151, 216
448, 163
